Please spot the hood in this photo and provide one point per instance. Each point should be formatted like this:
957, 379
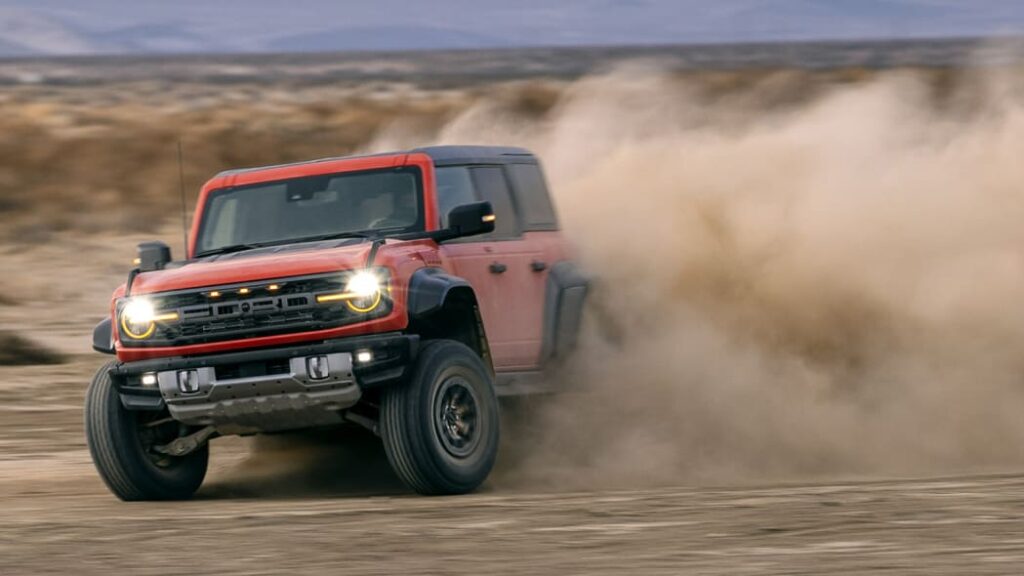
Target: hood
256, 265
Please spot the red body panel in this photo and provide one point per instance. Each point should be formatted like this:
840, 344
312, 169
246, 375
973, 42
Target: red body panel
511, 302
252, 269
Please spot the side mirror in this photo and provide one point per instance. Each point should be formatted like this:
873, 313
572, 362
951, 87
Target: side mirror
468, 220
152, 256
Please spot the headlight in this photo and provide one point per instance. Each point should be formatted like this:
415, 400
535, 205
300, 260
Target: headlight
363, 291
139, 318
363, 284
365, 287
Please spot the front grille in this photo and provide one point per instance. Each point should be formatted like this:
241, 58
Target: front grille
219, 313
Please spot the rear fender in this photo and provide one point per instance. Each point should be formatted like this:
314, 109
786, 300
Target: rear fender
564, 297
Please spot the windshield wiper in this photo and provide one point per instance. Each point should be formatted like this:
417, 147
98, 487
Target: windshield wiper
334, 236
227, 250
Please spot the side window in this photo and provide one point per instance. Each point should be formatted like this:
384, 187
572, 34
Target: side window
454, 187
532, 194
492, 186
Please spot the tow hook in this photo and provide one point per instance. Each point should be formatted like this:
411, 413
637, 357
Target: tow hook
187, 444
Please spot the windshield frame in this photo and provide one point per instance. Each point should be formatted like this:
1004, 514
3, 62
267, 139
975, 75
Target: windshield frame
420, 225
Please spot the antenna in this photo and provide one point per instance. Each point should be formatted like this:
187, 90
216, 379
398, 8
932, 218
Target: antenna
184, 215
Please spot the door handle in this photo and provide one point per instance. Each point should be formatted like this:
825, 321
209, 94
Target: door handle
538, 266
497, 268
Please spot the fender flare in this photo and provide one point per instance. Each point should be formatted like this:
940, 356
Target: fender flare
564, 299
103, 337
429, 288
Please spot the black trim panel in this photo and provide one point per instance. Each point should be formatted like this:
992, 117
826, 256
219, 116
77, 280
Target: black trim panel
563, 310
528, 383
102, 337
428, 289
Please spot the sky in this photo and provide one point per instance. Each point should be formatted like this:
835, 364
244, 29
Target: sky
89, 26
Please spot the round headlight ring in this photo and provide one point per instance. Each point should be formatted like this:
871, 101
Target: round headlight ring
137, 336
373, 302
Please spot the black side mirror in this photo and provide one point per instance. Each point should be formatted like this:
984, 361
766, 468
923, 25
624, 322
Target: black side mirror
152, 256
468, 220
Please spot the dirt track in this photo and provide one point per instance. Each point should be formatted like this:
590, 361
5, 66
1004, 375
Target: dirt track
308, 507
303, 516
968, 526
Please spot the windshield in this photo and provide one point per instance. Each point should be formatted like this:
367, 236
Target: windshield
373, 202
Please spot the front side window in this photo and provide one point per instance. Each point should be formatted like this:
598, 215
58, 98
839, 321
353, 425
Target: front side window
457, 185
454, 188
378, 202
492, 186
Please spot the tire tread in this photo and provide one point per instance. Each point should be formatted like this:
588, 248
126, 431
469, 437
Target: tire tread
111, 452
402, 427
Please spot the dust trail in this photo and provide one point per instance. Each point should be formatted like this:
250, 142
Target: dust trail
832, 287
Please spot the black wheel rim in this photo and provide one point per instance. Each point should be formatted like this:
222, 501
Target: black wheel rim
456, 417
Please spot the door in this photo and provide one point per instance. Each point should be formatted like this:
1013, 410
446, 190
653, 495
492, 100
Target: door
504, 267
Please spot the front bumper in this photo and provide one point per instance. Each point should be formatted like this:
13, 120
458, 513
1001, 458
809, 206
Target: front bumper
265, 390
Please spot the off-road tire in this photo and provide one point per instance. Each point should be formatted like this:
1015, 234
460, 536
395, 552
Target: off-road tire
429, 456
119, 456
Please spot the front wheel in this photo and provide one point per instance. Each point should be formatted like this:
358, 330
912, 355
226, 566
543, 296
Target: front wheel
440, 429
122, 444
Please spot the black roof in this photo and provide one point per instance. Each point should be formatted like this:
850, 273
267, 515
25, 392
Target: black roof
442, 156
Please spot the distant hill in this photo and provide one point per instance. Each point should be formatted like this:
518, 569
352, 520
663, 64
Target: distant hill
96, 27
27, 32
384, 38
164, 38
11, 49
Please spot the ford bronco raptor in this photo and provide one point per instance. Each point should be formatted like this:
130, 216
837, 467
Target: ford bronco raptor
403, 292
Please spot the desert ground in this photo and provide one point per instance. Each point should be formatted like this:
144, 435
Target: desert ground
307, 506
819, 382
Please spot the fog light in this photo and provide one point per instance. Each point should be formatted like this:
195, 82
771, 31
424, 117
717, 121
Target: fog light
316, 367
188, 381
364, 356
149, 379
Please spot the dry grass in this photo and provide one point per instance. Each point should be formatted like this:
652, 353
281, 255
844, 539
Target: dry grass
103, 158
92, 168
16, 350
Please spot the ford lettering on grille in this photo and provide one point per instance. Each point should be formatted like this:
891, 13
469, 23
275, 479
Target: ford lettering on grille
275, 306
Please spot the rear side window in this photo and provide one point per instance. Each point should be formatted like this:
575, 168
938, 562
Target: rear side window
532, 194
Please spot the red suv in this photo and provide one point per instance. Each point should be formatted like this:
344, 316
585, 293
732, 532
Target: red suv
403, 292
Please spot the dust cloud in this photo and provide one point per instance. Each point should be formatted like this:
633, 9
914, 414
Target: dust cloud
831, 287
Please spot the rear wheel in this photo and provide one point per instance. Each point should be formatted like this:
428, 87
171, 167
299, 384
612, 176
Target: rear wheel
123, 448
440, 429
